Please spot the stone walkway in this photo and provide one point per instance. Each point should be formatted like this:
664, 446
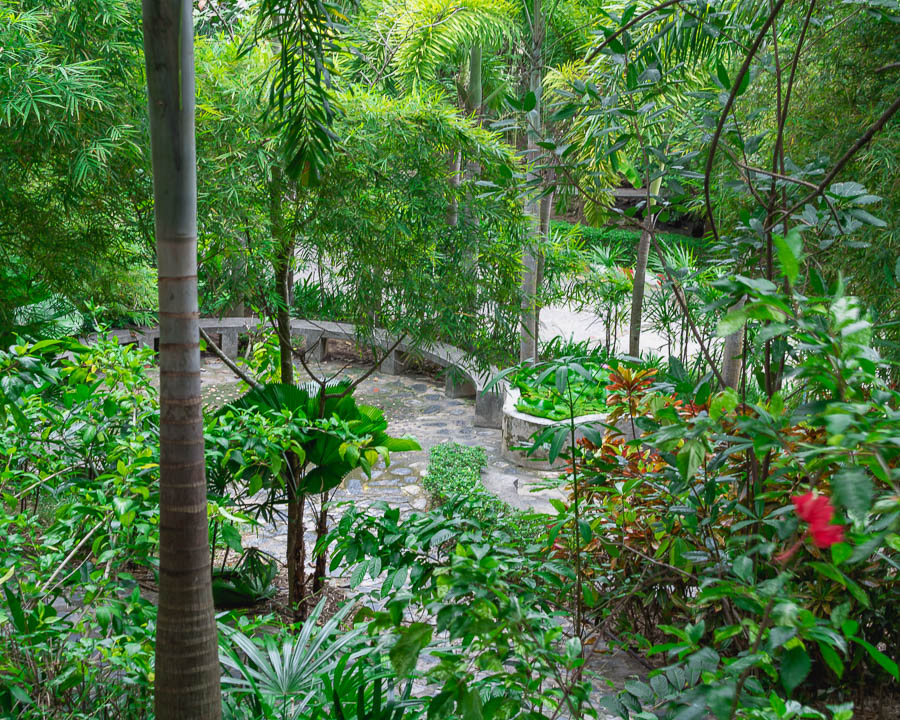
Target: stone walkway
415, 405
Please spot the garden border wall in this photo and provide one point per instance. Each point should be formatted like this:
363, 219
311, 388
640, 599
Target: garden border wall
464, 379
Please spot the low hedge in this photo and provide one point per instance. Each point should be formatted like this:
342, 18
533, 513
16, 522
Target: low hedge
454, 472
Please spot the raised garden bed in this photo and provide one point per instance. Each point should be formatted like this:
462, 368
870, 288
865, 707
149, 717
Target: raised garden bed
518, 429
541, 397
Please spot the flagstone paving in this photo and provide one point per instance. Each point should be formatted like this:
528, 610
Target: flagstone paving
414, 405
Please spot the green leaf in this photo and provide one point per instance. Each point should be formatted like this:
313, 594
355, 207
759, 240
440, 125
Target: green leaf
732, 322
530, 102
405, 652
840, 552
745, 83
630, 173
20, 695
722, 403
795, 666
743, 568
852, 489
722, 74
790, 253
867, 217
832, 659
15, 608
470, 704
889, 665
586, 533
232, 537
689, 458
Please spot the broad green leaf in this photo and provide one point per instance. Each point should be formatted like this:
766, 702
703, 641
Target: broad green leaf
689, 458
852, 488
722, 74
832, 659
405, 652
790, 253
732, 322
743, 568
722, 403
889, 665
795, 666
530, 102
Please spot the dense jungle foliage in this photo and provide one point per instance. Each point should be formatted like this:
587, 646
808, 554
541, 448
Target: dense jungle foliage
679, 217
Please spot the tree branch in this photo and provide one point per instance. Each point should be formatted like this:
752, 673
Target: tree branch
846, 157
217, 351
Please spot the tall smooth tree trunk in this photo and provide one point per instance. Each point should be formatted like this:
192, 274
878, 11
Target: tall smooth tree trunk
546, 206
637, 295
733, 354
528, 337
640, 276
187, 660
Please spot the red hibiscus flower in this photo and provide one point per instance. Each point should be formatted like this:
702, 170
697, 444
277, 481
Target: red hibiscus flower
817, 511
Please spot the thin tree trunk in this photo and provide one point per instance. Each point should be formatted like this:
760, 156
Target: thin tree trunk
187, 659
637, 295
282, 267
296, 555
528, 340
322, 557
296, 550
732, 357
640, 276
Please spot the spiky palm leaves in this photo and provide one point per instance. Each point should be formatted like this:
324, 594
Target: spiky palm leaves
407, 43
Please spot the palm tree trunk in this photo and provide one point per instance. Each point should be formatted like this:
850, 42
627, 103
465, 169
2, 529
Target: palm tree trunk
528, 340
187, 662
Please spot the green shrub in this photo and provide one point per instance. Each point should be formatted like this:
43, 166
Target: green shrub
454, 471
626, 238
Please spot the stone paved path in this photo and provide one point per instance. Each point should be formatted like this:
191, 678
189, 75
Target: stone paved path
415, 405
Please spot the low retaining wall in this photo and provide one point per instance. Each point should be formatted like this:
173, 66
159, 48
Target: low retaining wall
518, 429
463, 378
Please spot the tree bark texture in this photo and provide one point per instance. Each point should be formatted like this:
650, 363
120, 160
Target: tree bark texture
296, 554
637, 295
296, 548
528, 338
187, 662
732, 357
640, 274
282, 268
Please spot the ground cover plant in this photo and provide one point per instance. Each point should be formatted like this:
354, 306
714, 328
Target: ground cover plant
541, 396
